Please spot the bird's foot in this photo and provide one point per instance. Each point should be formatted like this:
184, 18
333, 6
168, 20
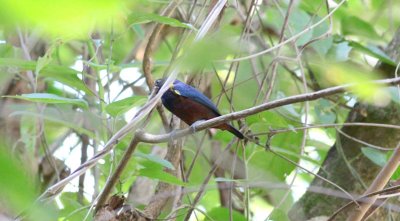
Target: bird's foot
173, 134
195, 124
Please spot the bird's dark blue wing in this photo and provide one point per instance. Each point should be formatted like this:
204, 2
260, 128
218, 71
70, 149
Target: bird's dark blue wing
192, 93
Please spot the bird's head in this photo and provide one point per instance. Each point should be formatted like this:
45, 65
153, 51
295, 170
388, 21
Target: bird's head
159, 82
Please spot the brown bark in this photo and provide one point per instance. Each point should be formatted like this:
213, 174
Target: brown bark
346, 165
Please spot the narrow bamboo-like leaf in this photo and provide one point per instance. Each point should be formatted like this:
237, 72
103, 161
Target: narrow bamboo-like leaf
223, 179
140, 18
119, 107
156, 159
373, 51
51, 99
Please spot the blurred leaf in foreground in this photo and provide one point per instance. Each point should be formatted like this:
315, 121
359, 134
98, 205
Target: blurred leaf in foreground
341, 74
51, 99
65, 18
17, 189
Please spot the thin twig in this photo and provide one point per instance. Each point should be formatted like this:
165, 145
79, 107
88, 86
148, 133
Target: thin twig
115, 176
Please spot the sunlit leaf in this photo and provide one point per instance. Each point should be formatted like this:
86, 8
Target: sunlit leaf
359, 78
51, 99
119, 107
65, 18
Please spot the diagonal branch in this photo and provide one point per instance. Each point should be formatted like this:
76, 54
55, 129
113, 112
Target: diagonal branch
379, 183
151, 138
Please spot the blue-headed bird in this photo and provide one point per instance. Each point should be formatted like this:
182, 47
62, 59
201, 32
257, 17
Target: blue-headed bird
190, 105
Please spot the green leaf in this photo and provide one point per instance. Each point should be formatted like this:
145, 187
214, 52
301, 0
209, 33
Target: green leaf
161, 175
352, 25
359, 77
339, 52
222, 213
394, 94
46, 59
322, 46
14, 181
203, 53
65, 18
119, 107
279, 214
373, 51
51, 99
140, 18
156, 159
72, 210
17, 187
374, 155
324, 113
396, 174
62, 74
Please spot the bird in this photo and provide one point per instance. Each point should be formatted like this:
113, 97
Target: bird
191, 106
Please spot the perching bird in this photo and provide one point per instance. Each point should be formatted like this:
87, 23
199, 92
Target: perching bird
190, 105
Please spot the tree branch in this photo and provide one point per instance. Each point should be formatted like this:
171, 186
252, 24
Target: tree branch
378, 184
151, 138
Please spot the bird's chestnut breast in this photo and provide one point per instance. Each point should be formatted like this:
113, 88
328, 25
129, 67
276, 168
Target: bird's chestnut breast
186, 109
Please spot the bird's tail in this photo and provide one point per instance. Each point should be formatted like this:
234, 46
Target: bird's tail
234, 131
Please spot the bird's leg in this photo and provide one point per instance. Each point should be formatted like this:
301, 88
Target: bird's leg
195, 124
